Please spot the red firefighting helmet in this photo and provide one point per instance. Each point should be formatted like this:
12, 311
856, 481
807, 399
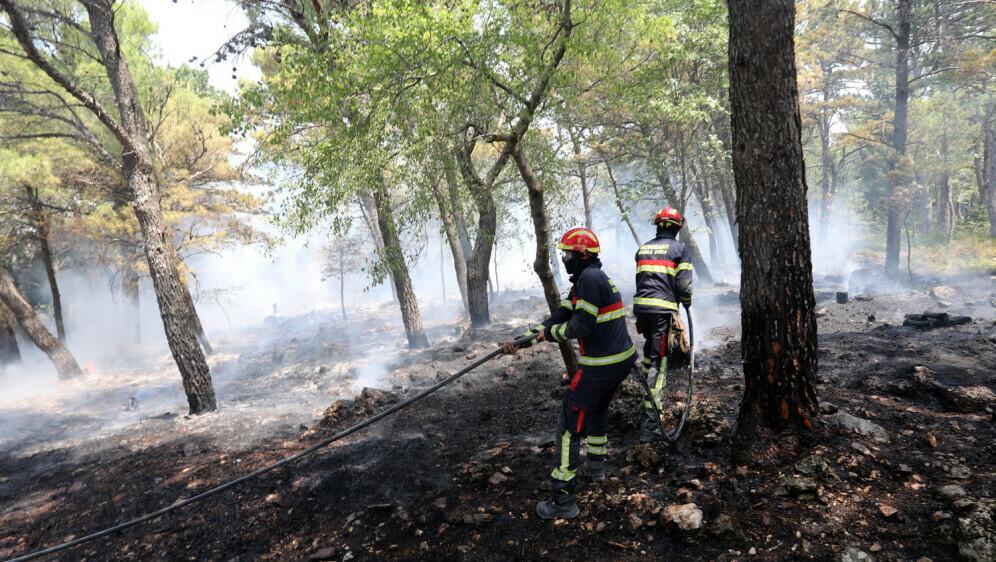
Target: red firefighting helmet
579, 240
669, 216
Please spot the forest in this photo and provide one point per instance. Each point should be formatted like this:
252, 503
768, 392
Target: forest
205, 272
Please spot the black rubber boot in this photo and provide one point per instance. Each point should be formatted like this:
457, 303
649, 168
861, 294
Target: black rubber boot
594, 470
561, 505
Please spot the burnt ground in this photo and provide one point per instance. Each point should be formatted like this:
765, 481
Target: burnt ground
902, 467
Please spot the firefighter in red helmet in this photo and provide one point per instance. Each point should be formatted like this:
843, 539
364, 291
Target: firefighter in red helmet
593, 314
663, 280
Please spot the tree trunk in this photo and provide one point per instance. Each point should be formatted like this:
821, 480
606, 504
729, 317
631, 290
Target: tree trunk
453, 237
899, 133
779, 344
27, 319
924, 208
368, 207
990, 175
826, 165
160, 252
41, 225
537, 209
619, 203
342, 281
395, 259
583, 176
479, 261
10, 353
704, 192
730, 204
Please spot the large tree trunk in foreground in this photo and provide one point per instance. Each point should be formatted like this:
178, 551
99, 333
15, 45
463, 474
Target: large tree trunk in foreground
396, 264
541, 265
48, 258
778, 320
27, 319
10, 353
156, 233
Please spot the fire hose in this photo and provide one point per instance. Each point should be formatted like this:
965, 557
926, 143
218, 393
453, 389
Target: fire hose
304, 452
669, 434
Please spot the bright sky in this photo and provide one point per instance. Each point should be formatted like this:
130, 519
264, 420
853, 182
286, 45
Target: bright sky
189, 28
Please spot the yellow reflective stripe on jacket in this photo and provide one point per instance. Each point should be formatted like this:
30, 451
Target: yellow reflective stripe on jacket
587, 307
656, 269
566, 303
607, 360
559, 332
655, 302
687, 266
621, 313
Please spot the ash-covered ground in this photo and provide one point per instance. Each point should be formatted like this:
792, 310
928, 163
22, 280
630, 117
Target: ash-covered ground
901, 469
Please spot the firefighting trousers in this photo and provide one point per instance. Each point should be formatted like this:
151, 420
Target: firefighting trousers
654, 328
584, 414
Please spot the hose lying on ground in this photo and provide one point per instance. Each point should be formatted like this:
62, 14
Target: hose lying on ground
281, 462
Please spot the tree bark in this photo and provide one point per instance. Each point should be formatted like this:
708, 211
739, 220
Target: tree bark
924, 208
160, 252
899, 134
396, 264
41, 225
778, 318
10, 353
479, 261
27, 319
537, 209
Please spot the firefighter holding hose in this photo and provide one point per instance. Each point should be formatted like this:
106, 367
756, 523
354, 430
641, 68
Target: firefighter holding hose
593, 314
663, 279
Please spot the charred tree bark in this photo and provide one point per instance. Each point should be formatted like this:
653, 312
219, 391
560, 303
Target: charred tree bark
619, 203
41, 225
899, 134
27, 319
10, 353
396, 264
537, 209
776, 295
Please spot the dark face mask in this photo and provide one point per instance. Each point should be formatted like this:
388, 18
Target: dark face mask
571, 261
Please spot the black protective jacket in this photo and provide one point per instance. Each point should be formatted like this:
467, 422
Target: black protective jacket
663, 276
593, 314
